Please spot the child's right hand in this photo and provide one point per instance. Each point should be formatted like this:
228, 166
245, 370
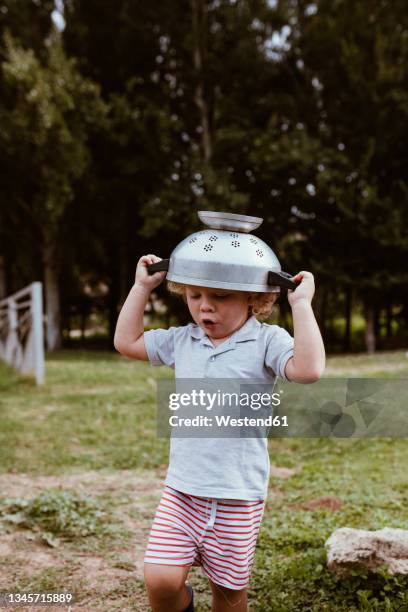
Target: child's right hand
143, 278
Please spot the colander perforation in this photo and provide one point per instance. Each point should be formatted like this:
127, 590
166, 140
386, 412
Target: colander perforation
208, 247
235, 243
234, 235
253, 241
192, 240
259, 252
212, 238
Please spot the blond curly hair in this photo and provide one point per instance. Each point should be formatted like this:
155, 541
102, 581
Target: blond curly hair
262, 306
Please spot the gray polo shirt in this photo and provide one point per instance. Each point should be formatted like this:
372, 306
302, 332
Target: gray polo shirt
228, 468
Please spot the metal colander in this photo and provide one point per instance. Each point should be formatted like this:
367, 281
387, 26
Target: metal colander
225, 256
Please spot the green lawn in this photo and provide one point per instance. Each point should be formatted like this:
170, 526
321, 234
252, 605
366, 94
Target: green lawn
97, 412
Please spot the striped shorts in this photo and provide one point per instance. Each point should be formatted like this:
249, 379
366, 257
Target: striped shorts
217, 534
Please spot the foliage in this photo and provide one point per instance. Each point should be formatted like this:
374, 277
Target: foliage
360, 101
47, 111
56, 513
117, 130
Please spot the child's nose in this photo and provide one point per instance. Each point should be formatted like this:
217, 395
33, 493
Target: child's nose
206, 304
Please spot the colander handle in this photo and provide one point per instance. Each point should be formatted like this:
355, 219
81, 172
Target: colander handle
159, 266
281, 279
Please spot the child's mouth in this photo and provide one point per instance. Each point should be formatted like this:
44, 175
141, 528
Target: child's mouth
208, 323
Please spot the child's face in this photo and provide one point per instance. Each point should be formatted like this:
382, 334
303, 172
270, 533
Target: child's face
219, 312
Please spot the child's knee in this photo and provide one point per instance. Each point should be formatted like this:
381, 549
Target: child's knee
229, 595
164, 581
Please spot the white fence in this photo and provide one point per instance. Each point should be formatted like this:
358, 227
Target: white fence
21, 331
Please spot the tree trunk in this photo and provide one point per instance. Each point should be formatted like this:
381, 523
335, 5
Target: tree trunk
84, 317
52, 298
347, 316
126, 278
328, 319
377, 325
369, 336
113, 297
199, 33
66, 326
388, 315
3, 289
320, 309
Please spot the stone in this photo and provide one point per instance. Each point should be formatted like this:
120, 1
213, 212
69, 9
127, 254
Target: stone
352, 548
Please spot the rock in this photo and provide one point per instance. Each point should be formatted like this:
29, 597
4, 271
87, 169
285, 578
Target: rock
350, 548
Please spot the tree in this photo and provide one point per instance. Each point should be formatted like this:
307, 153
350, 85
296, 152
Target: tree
49, 113
29, 22
351, 58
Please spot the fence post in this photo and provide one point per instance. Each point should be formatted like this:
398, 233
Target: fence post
38, 331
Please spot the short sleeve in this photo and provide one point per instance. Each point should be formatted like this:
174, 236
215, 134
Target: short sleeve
159, 345
279, 350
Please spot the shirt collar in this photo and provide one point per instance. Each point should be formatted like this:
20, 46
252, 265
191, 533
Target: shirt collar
249, 331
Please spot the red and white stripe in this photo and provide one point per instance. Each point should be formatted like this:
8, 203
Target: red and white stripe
220, 535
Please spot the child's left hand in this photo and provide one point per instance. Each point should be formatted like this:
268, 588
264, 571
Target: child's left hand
304, 291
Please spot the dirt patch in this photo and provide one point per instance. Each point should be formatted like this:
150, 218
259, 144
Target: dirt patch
108, 580
25, 485
114, 577
328, 503
283, 472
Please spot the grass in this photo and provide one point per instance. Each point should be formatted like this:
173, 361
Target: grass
97, 412
367, 476
386, 364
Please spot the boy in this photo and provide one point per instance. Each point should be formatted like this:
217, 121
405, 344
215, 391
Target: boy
215, 490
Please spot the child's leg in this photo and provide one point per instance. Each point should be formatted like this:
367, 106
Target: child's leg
227, 600
228, 551
166, 587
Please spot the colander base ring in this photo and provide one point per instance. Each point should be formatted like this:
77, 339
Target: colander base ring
200, 282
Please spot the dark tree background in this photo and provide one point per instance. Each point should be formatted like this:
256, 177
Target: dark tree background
120, 125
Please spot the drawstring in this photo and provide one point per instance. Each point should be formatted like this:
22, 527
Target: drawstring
210, 515
211, 520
